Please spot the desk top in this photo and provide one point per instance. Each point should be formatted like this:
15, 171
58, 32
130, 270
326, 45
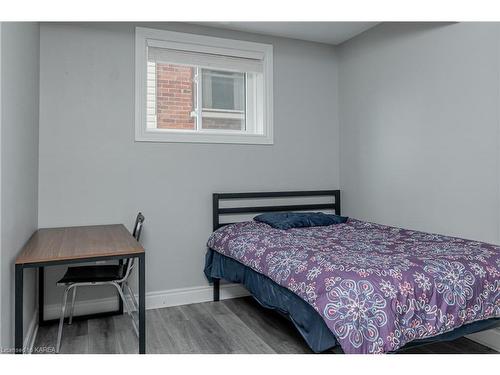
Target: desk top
73, 243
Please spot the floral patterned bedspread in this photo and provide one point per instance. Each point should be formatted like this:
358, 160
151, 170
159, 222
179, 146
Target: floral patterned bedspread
376, 287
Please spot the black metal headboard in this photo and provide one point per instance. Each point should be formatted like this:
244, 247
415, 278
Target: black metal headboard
217, 197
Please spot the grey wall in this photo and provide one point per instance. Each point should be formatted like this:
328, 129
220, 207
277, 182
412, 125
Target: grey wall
19, 162
419, 118
92, 171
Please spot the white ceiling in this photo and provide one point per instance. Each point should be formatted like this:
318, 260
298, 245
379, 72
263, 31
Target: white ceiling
322, 32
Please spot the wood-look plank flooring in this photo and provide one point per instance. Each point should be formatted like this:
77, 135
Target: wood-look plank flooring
232, 326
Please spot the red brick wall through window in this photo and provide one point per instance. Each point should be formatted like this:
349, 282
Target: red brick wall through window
174, 93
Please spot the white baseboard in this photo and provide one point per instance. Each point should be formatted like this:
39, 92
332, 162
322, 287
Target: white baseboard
490, 338
29, 338
154, 300
185, 296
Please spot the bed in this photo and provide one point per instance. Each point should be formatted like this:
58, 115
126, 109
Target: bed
367, 287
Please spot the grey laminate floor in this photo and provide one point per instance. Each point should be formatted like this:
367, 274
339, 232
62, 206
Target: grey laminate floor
230, 326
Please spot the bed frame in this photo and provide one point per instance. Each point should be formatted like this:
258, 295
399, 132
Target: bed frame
335, 206
217, 211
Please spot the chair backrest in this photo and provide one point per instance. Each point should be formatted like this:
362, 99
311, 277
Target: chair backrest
136, 233
139, 220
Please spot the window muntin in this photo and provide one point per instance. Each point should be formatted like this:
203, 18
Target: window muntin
203, 93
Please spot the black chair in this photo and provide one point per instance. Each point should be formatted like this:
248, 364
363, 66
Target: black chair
113, 274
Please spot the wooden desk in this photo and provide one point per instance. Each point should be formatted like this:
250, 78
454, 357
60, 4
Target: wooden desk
57, 246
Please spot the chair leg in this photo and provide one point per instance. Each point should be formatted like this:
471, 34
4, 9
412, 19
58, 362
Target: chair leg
61, 319
132, 297
127, 307
72, 307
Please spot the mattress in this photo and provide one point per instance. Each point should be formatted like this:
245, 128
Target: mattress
376, 288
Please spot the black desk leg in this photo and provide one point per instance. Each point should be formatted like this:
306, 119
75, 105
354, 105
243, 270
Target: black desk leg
142, 304
18, 331
41, 294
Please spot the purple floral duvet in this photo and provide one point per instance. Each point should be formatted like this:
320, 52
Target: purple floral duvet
376, 287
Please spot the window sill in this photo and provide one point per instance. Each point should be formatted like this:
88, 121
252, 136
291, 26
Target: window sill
205, 137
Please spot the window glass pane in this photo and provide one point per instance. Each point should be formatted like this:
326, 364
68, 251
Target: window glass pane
216, 120
223, 100
175, 93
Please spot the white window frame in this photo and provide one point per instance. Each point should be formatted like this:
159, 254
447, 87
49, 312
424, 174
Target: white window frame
145, 37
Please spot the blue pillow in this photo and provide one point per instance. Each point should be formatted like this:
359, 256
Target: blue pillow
288, 220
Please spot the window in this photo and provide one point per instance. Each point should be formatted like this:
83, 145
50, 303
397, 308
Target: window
192, 88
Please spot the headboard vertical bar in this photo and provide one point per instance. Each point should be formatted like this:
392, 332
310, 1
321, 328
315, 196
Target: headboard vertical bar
215, 211
336, 194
